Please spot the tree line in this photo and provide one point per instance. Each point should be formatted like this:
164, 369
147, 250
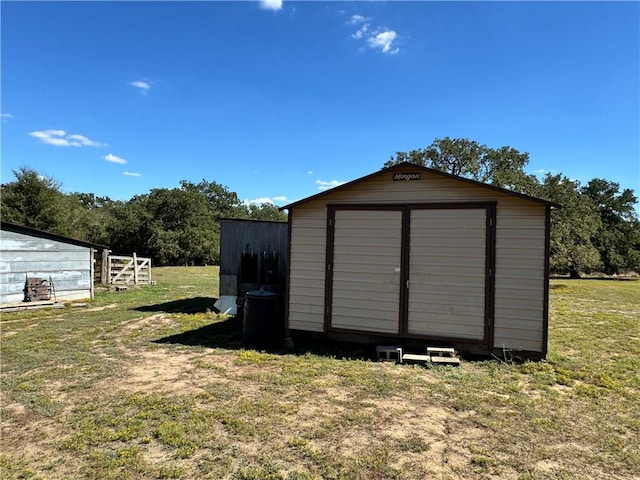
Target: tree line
596, 230
175, 226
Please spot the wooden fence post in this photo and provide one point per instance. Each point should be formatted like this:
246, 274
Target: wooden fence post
109, 272
104, 270
135, 269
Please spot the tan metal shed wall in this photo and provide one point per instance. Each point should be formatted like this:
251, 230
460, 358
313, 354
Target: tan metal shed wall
520, 275
366, 270
307, 261
520, 247
447, 268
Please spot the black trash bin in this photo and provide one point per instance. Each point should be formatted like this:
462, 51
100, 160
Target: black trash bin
260, 325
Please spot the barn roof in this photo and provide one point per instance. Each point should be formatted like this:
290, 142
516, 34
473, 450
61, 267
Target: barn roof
12, 227
417, 168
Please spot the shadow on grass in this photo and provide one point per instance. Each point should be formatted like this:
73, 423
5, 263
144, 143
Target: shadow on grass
227, 334
185, 305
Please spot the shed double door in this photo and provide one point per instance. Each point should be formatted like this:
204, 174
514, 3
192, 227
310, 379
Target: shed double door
410, 271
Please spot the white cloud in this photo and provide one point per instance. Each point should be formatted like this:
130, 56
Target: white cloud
259, 201
143, 86
262, 200
114, 159
384, 42
364, 25
361, 32
5, 116
271, 4
59, 138
82, 141
377, 38
322, 185
132, 174
310, 172
51, 137
356, 19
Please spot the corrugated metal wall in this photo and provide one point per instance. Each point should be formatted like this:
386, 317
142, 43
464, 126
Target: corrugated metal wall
69, 266
261, 242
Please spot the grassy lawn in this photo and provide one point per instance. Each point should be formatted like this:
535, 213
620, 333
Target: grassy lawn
149, 383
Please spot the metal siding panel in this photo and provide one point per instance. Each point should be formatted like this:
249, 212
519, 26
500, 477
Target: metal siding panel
520, 227
518, 339
520, 276
27, 267
307, 269
306, 323
350, 320
71, 253
21, 256
447, 279
307, 310
16, 242
515, 280
432, 188
228, 285
309, 283
520, 318
372, 266
304, 269
301, 254
261, 237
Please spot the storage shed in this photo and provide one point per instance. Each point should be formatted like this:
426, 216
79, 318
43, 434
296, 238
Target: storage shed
415, 256
66, 265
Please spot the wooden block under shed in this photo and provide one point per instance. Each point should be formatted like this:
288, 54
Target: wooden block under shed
415, 357
440, 351
446, 360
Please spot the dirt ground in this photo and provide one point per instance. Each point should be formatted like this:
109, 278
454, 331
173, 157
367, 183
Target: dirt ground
443, 436
265, 416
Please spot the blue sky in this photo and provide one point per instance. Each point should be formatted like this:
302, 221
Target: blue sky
278, 100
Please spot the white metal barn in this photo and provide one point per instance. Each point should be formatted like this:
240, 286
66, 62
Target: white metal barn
27, 253
416, 256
